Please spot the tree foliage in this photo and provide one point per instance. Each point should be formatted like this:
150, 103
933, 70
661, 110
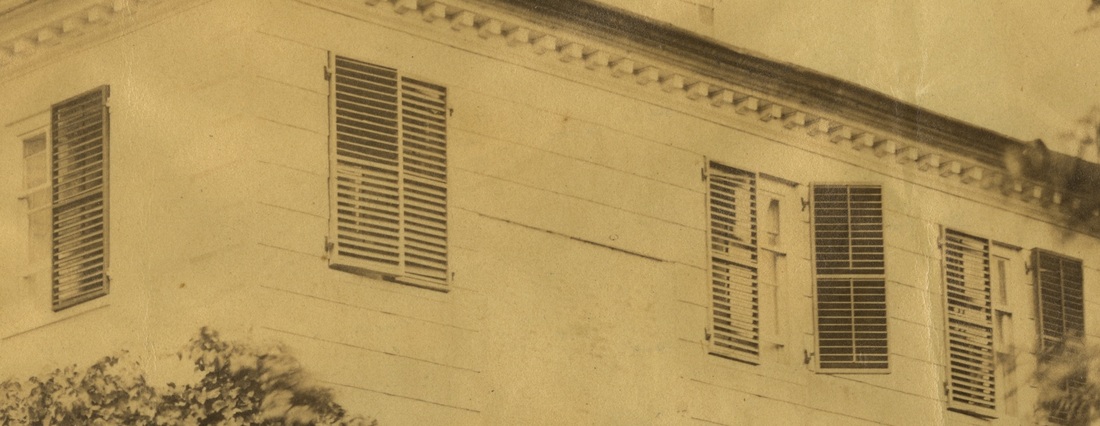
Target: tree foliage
238, 384
1066, 395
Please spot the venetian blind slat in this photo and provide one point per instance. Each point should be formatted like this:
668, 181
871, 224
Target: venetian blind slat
79, 131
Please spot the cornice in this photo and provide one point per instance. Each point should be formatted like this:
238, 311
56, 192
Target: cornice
63, 24
603, 42
817, 108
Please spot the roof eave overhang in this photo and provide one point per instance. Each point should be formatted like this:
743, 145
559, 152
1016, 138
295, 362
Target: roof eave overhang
812, 89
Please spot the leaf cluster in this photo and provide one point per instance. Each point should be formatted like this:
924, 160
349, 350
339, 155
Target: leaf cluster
239, 384
1066, 395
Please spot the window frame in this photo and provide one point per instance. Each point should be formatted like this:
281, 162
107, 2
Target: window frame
1006, 287
36, 126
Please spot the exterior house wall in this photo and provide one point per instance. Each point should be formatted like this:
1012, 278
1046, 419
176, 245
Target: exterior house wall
168, 206
577, 230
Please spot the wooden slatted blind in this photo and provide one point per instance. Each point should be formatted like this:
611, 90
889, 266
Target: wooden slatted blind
735, 299
969, 300
1059, 287
849, 267
79, 128
389, 174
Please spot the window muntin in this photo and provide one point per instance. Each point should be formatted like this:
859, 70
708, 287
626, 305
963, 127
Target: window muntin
849, 273
968, 293
733, 258
78, 149
389, 174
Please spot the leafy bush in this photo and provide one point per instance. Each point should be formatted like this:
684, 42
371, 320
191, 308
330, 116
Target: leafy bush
238, 384
1066, 396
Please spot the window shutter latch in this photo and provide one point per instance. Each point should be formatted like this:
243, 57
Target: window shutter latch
328, 74
805, 204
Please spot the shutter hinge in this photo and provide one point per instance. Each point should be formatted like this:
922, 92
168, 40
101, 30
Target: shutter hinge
807, 356
329, 245
703, 173
328, 74
805, 203
1027, 268
706, 332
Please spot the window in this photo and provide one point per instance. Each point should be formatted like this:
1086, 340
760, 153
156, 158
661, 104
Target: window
969, 303
36, 178
734, 286
388, 174
849, 275
1005, 262
78, 150
1061, 315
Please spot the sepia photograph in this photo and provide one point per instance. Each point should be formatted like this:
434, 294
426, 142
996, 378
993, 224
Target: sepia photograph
556, 212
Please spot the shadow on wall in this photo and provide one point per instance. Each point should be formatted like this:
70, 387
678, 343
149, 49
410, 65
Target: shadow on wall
231, 383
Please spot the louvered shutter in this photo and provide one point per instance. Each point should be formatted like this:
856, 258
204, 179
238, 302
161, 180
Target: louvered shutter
389, 174
1058, 281
969, 298
735, 306
1059, 287
79, 128
424, 195
850, 287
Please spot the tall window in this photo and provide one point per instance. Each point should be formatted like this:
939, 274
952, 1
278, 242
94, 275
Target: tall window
78, 142
969, 297
388, 174
1061, 311
36, 184
850, 282
735, 298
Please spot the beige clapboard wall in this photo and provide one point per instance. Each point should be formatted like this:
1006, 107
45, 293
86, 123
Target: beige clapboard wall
578, 234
